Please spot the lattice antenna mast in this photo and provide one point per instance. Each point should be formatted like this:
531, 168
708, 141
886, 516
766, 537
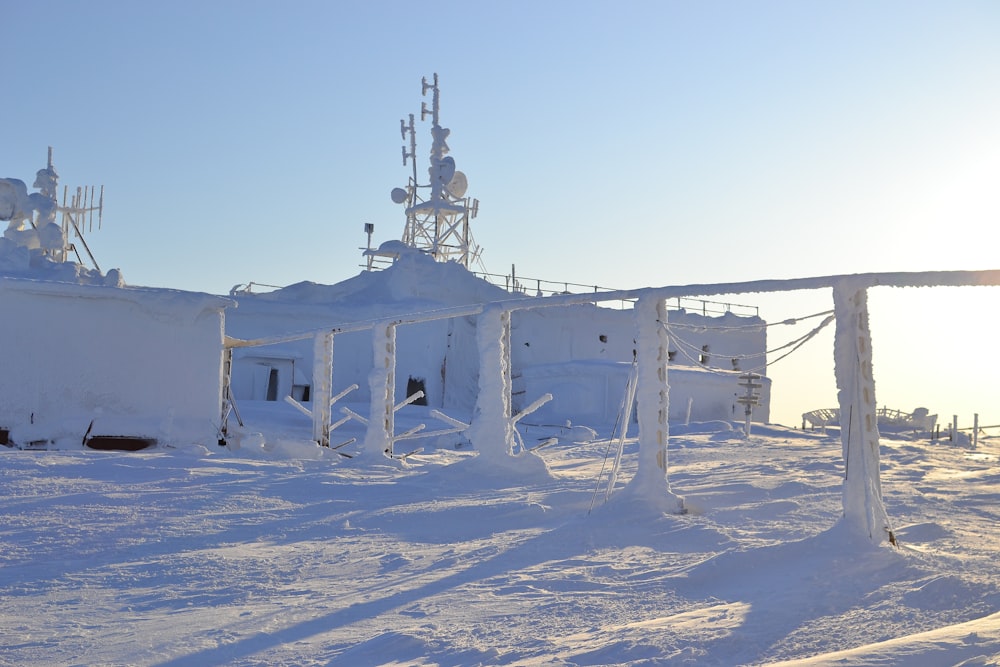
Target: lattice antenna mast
438, 134
438, 213
77, 212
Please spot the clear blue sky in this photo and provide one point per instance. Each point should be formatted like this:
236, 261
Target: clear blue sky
613, 143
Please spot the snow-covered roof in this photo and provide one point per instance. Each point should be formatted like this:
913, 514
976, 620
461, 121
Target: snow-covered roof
413, 277
141, 296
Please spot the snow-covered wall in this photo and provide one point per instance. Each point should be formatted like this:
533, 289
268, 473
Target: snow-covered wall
138, 362
582, 354
586, 331
591, 393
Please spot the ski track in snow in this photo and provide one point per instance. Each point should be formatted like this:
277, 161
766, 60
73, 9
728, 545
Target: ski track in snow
178, 557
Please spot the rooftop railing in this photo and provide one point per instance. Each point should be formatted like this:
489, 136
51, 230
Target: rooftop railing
541, 287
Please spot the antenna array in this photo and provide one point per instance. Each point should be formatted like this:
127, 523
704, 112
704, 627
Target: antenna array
437, 213
79, 213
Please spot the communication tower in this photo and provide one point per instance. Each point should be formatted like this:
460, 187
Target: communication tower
437, 213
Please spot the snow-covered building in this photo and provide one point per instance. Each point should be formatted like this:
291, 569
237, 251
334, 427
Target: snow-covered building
111, 360
581, 354
84, 356
114, 353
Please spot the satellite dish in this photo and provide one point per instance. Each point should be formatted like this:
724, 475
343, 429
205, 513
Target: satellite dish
458, 185
8, 200
447, 169
398, 195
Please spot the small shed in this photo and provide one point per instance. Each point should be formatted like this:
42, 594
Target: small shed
111, 361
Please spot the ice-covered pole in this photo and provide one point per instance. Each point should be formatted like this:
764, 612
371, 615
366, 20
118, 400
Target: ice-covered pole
491, 431
653, 393
322, 387
382, 383
864, 511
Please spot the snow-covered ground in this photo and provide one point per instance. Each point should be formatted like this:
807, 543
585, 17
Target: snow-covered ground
280, 553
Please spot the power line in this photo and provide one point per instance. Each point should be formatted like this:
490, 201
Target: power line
683, 346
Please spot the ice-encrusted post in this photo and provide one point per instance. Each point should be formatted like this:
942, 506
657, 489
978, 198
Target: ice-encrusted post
382, 383
491, 431
864, 511
653, 395
322, 387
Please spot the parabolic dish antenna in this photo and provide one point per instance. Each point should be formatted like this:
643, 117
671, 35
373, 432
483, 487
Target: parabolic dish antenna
446, 170
457, 185
8, 199
398, 195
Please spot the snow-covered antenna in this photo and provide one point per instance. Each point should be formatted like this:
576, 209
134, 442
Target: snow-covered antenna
411, 132
369, 230
436, 222
77, 212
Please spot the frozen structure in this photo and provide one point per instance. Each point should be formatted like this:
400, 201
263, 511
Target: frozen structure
36, 244
582, 354
169, 366
920, 421
84, 361
438, 214
506, 356
87, 358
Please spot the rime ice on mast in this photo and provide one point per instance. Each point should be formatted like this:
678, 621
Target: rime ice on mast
437, 213
31, 219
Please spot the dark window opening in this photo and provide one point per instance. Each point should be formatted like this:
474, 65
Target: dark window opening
413, 385
272, 385
302, 393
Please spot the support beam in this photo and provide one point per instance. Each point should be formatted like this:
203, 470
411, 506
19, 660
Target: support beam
864, 511
653, 392
382, 383
491, 431
322, 387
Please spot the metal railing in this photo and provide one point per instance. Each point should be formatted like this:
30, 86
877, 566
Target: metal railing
541, 287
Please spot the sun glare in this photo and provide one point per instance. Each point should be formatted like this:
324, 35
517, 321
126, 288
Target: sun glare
933, 347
